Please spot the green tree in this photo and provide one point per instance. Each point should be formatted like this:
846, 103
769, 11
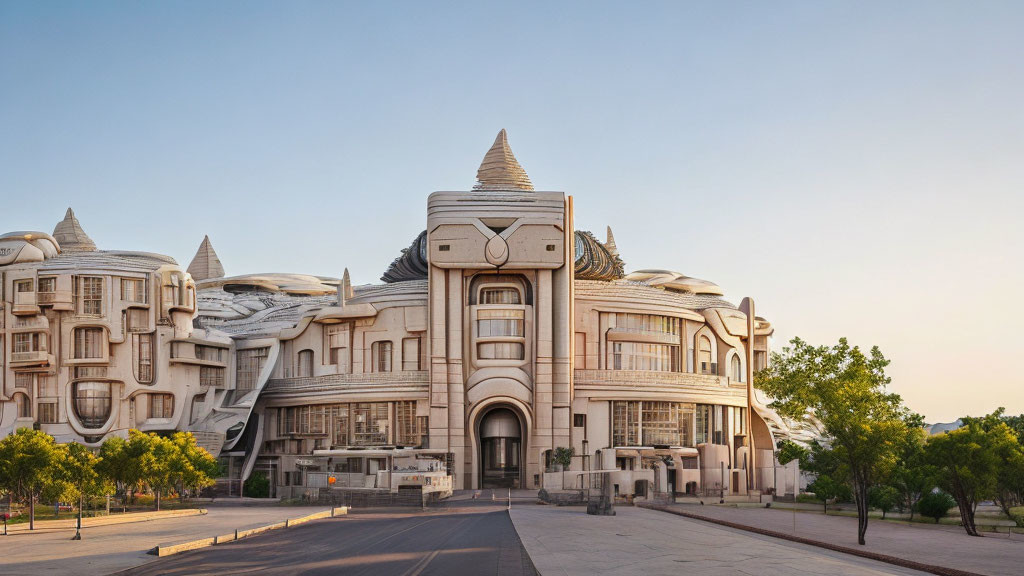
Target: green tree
28, 461
845, 389
789, 451
936, 505
826, 488
969, 460
884, 498
80, 476
192, 466
563, 456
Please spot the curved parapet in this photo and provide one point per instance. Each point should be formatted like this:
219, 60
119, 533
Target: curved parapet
675, 281
27, 246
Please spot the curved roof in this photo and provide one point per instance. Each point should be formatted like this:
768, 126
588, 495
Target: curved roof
594, 260
675, 281
411, 264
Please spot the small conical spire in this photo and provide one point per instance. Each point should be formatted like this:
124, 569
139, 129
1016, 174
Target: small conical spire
610, 243
500, 170
344, 289
206, 264
70, 236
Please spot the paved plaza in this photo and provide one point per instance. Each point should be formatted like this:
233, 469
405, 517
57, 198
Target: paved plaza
566, 541
940, 545
107, 549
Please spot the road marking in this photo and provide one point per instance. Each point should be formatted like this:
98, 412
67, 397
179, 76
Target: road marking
420, 566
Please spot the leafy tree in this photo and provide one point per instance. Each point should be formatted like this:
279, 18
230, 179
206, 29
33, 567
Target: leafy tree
825, 488
192, 466
936, 505
789, 451
1016, 423
912, 477
969, 462
28, 461
884, 498
845, 389
79, 474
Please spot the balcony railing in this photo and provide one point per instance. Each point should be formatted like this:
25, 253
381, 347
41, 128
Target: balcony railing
30, 356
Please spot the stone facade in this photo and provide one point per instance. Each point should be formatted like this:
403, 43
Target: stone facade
499, 336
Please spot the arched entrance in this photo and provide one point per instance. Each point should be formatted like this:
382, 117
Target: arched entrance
501, 449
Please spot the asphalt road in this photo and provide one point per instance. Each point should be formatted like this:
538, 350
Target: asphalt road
465, 538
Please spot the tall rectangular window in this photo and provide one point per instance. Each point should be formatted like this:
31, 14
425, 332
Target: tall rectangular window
46, 386
133, 290
370, 424
409, 428
144, 358
47, 284
625, 423
47, 412
411, 354
161, 405
341, 426
667, 423
89, 343
90, 295
249, 364
337, 340
381, 356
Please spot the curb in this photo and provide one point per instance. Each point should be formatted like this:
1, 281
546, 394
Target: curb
901, 562
169, 549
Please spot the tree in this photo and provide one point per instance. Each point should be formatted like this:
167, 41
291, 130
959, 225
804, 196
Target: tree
789, 451
912, 478
80, 475
936, 505
845, 390
28, 460
884, 498
192, 466
825, 488
257, 486
969, 461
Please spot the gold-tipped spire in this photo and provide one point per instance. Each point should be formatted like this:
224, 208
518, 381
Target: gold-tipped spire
500, 170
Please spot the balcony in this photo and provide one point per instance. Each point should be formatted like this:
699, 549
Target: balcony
32, 357
641, 383
25, 304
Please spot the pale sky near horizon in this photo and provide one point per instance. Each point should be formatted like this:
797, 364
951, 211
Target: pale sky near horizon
856, 167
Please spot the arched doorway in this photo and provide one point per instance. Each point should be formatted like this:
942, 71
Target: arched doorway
500, 449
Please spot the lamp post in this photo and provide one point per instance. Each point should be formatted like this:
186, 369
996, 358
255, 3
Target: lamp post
78, 525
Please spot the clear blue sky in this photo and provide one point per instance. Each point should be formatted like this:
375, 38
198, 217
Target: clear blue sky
856, 167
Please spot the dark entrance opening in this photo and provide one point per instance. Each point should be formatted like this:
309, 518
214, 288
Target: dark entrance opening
500, 449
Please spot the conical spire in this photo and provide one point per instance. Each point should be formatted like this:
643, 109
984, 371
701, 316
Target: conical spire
500, 170
610, 243
70, 236
344, 289
206, 264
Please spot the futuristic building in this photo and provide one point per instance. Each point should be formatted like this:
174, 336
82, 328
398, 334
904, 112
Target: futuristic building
500, 335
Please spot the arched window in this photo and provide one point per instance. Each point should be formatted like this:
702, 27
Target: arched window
23, 405
305, 367
705, 361
736, 368
92, 403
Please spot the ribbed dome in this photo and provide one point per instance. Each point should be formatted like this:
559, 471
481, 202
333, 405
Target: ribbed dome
71, 237
500, 170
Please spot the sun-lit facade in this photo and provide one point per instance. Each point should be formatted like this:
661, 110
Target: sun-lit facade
498, 336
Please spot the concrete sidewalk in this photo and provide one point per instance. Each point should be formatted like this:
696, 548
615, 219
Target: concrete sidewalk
947, 546
566, 541
107, 549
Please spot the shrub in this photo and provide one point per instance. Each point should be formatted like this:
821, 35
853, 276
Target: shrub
563, 456
935, 505
257, 486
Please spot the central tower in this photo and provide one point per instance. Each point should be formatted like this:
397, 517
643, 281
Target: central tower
499, 324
